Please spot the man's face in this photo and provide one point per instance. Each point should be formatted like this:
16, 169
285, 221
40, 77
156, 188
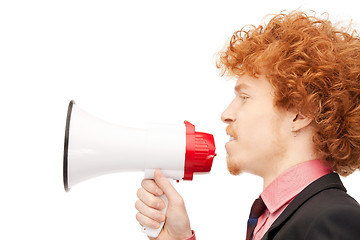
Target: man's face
258, 131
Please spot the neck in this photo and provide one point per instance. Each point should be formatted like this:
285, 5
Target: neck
300, 149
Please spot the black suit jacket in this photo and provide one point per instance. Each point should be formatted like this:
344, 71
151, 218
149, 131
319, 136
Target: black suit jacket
322, 210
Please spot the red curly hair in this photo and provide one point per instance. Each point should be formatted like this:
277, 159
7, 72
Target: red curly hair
314, 68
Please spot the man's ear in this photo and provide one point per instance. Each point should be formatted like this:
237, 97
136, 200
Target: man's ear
300, 122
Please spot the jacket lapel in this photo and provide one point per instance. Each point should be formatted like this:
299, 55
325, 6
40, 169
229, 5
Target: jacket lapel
331, 180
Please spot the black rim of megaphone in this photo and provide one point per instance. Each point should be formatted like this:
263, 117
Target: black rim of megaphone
66, 146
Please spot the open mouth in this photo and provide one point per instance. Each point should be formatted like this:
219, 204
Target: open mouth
231, 133
232, 138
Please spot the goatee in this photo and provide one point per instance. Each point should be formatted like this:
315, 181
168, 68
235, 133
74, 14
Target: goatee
233, 168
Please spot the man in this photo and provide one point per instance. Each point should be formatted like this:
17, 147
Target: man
295, 122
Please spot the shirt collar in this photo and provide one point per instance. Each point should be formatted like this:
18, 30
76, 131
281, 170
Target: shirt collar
290, 183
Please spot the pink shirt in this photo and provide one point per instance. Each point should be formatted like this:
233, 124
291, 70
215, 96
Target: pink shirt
280, 192
192, 237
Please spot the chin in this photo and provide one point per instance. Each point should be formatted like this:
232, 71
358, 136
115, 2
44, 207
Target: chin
233, 167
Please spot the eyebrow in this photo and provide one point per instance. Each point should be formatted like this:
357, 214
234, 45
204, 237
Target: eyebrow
240, 86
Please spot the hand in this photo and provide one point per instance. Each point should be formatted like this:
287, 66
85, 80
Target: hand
177, 225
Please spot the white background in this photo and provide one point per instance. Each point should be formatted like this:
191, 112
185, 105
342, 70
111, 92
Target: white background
128, 62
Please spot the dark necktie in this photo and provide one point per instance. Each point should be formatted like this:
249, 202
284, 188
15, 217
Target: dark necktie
257, 209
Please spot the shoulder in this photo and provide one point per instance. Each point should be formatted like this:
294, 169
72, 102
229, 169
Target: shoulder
330, 214
323, 210
338, 219
335, 216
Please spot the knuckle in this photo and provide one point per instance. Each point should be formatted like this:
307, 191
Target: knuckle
138, 217
137, 205
138, 193
143, 182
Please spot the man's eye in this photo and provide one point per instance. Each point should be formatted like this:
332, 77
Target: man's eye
244, 97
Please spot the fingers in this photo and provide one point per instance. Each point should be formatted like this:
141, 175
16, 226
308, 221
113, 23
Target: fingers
149, 205
146, 221
150, 200
149, 212
166, 186
151, 187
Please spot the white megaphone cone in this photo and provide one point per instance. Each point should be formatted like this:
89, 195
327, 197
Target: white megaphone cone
94, 147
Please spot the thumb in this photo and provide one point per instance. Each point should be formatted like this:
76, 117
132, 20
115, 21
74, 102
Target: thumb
165, 185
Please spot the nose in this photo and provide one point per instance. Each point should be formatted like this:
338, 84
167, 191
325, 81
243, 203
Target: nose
228, 115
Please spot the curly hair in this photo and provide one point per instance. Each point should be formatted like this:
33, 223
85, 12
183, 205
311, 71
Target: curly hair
314, 68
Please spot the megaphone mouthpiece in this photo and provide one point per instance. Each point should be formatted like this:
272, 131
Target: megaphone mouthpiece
200, 151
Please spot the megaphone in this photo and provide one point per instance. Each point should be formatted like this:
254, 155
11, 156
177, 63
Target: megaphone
95, 147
